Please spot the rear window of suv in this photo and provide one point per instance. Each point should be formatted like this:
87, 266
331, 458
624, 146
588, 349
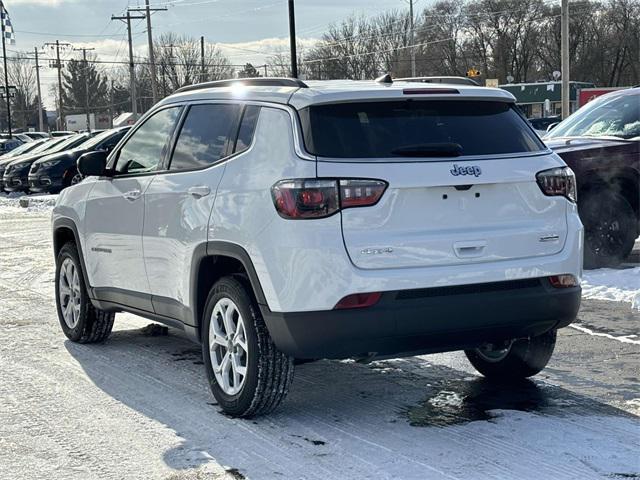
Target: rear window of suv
416, 128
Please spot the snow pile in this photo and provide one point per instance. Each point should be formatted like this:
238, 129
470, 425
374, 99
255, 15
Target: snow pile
610, 284
29, 203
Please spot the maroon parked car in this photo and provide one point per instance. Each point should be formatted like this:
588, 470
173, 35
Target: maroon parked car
601, 144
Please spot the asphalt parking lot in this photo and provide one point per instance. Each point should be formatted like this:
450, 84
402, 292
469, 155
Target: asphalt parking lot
139, 407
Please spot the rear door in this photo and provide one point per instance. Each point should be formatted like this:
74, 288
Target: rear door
179, 201
461, 181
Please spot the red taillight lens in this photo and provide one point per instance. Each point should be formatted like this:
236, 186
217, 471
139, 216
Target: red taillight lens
299, 199
358, 300
563, 281
559, 181
319, 198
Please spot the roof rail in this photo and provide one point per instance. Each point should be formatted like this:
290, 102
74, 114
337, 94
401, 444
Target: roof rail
247, 82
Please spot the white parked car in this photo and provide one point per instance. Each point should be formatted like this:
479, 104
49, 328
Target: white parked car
274, 220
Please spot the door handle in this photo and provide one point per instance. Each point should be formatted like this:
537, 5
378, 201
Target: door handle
132, 195
199, 191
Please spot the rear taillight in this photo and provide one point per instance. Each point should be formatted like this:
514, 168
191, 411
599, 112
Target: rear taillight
319, 198
563, 281
559, 181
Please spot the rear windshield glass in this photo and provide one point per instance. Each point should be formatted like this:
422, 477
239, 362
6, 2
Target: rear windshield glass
413, 128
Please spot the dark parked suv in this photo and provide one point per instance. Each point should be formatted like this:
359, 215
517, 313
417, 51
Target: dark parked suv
601, 143
15, 178
54, 172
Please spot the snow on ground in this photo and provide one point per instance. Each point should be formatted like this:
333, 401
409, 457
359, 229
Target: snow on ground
138, 406
15, 202
618, 285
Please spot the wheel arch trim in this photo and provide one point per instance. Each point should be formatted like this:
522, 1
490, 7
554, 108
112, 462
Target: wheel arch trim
68, 224
221, 249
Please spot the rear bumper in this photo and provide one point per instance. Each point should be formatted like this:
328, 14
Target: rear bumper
430, 320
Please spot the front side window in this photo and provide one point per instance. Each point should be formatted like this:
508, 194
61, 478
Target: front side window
144, 150
617, 116
205, 136
416, 128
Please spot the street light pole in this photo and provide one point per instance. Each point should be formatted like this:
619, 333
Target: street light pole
6, 75
411, 36
564, 31
292, 40
40, 119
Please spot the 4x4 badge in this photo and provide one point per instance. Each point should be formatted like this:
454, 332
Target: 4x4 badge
470, 170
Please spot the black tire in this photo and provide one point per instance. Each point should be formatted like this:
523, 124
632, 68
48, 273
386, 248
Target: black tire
269, 372
93, 325
610, 228
524, 358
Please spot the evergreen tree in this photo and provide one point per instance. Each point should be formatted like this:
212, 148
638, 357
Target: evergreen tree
249, 71
76, 73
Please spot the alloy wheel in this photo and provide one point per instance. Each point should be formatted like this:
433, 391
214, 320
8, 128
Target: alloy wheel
494, 353
69, 292
228, 346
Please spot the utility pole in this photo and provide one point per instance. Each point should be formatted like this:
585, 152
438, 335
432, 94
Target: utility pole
40, 119
112, 107
58, 65
292, 40
152, 59
132, 70
411, 36
6, 71
564, 32
202, 79
86, 83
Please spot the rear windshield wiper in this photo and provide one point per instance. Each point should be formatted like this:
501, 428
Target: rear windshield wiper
429, 150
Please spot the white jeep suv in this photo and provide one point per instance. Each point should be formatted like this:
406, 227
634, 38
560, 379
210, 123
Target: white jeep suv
274, 220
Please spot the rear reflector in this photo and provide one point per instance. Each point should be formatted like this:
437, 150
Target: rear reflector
563, 281
358, 300
429, 91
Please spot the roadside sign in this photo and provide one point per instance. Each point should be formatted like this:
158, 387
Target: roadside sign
585, 95
491, 82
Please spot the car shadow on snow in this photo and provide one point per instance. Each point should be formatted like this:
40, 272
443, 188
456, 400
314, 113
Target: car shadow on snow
330, 404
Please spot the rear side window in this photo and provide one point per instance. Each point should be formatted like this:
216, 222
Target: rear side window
205, 136
416, 128
247, 128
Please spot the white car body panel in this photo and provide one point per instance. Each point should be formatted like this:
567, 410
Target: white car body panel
423, 220
113, 232
310, 265
176, 222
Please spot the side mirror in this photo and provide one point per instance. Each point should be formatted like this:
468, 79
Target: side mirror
552, 126
93, 163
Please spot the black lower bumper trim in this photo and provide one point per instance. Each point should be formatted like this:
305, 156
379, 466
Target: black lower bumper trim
434, 320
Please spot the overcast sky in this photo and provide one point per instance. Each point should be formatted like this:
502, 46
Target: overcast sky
235, 25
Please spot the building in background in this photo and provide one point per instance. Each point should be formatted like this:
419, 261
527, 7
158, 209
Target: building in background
543, 99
